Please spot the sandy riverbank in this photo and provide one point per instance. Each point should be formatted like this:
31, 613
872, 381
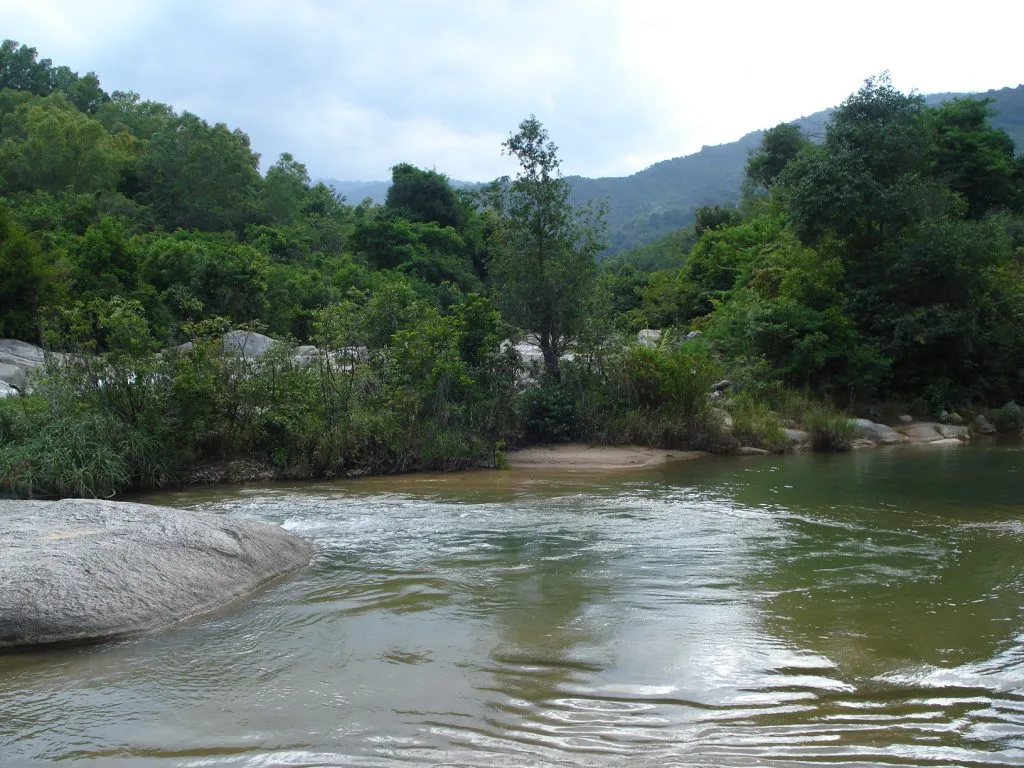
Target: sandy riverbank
582, 456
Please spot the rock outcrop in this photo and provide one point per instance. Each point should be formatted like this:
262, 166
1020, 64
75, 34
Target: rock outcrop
648, 337
983, 425
876, 433
17, 360
797, 437
247, 344
87, 570
932, 432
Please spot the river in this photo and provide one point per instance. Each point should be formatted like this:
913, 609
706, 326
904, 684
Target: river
855, 610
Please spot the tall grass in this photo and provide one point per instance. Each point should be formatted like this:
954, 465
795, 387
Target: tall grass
830, 432
755, 424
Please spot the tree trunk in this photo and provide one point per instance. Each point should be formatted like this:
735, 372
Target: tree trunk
549, 350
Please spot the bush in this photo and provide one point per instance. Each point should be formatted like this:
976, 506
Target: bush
1009, 418
551, 414
753, 423
830, 432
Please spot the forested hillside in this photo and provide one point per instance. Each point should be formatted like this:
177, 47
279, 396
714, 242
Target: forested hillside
876, 265
664, 197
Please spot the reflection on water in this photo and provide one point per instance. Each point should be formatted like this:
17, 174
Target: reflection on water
856, 610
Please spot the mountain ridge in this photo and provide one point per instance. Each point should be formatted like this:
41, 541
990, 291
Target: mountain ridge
650, 203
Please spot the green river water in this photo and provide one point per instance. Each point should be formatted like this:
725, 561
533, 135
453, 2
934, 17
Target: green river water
865, 609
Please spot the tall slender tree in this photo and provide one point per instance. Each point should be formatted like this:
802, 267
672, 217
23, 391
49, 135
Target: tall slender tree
543, 261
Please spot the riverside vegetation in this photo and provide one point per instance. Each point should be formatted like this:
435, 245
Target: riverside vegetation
882, 270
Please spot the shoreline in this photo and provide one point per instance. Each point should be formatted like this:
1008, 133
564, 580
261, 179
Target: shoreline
563, 456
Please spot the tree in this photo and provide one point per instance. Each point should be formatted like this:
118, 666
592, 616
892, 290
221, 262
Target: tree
779, 146
284, 190
869, 180
974, 159
26, 281
715, 217
543, 262
47, 144
200, 176
20, 70
424, 196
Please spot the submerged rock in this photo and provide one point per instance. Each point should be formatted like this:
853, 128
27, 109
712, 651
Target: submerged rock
749, 450
87, 570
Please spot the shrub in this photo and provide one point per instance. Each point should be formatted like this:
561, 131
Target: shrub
551, 414
753, 423
1009, 418
830, 432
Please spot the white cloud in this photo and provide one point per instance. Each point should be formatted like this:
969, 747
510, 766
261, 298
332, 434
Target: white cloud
351, 88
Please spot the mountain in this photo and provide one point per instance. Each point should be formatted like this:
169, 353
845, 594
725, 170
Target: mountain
355, 192
659, 199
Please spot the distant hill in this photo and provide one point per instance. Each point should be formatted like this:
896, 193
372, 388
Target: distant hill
355, 192
659, 199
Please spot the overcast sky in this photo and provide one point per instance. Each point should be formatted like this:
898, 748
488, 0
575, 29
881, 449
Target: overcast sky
353, 87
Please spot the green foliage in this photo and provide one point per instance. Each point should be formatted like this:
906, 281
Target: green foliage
779, 146
720, 255
974, 159
786, 309
543, 261
885, 264
1009, 418
655, 397
873, 268
830, 432
284, 190
47, 144
667, 252
22, 70
715, 217
424, 196
551, 414
755, 424
429, 251
26, 281
198, 176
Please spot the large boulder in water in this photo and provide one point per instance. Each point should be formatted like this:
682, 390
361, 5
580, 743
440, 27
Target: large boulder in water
931, 432
878, 433
86, 570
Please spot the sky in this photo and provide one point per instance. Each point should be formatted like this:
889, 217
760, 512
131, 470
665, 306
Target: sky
353, 87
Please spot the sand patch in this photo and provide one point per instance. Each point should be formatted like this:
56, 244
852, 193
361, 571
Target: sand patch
582, 456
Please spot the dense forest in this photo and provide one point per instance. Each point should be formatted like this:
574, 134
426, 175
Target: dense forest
882, 267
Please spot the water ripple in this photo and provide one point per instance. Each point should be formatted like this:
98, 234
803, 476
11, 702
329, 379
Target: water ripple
771, 614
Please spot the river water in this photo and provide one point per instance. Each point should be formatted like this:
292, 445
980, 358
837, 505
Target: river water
856, 610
